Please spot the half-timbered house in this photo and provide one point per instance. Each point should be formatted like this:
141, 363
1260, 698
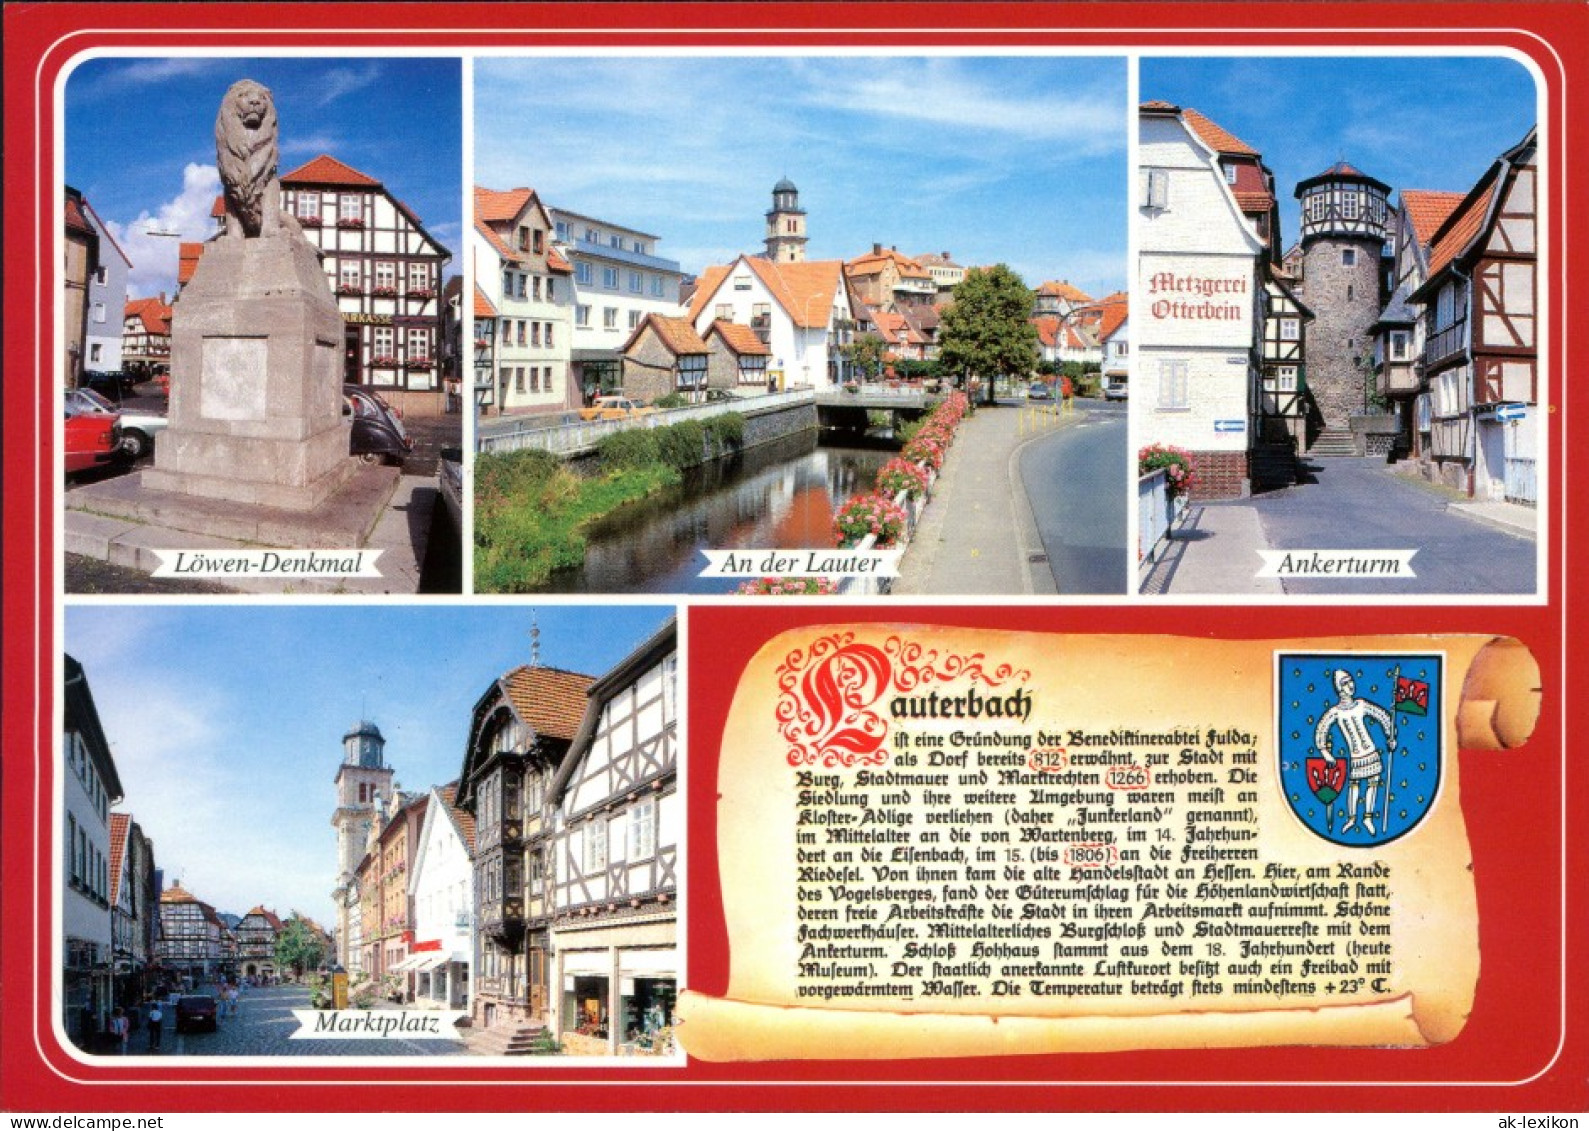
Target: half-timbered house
385, 270
1399, 332
665, 355
191, 945
519, 734
1282, 403
615, 883
146, 336
256, 943
1481, 312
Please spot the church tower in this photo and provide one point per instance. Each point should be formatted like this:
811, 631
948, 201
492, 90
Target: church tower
364, 791
786, 225
1346, 219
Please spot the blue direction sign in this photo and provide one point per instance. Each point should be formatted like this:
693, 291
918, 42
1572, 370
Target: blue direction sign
1510, 411
1230, 426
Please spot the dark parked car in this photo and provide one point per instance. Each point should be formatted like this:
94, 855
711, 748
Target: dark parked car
378, 435
196, 1011
114, 384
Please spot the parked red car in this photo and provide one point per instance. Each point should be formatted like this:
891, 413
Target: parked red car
91, 438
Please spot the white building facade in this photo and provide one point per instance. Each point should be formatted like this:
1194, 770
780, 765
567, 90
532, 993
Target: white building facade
1198, 305
523, 356
800, 310
107, 299
619, 280
441, 892
89, 786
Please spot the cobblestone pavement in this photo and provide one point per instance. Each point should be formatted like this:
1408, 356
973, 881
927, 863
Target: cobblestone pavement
264, 1026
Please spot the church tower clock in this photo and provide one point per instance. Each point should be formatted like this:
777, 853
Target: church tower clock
363, 782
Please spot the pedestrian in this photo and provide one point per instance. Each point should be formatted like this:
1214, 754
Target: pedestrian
118, 1029
156, 1022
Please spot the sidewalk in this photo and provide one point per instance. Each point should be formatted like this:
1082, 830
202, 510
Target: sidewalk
1510, 517
1214, 551
978, 535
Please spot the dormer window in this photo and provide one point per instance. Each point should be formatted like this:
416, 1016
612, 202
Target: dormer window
1230, 174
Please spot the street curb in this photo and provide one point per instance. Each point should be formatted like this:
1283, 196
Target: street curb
1530, 534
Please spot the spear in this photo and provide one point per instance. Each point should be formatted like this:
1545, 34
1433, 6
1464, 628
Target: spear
1395, 681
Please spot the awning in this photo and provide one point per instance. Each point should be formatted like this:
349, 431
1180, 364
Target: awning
409, 963
430, 960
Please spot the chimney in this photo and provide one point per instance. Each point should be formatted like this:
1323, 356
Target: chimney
877, 249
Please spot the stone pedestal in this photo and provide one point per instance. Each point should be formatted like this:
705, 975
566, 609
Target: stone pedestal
256, 385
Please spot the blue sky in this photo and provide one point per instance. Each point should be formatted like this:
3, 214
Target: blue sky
1413, 122
226, 722
140, 140
1014, 160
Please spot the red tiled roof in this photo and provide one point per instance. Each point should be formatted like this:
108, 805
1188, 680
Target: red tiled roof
549, 700
75, 220
120, 824
739, 338
154, 314
1255, 201
501, 206
218, 208
498, 244
1063, 289
1459, 230
482, 304
805, 290
187, 261
1159, 105
1047, 329
1215, 136
327, 170
874, 261
677, 335
1428, 210
1114, 316
176, 893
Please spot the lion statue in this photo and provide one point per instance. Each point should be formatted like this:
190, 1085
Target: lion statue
246, 151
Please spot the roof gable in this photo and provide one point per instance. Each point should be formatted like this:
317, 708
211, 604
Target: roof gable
1215, 136
1427, 210
327, 170
739, 338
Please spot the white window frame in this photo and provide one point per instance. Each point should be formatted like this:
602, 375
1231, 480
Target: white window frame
1174, 394
1156, 189
593, 847
350, 206
643, 829
307, 206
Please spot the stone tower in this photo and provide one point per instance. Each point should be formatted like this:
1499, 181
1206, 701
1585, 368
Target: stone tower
786, 225
1346, 219
364, 789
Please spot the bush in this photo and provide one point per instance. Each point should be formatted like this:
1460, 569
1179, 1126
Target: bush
681, 445
671, 400
727, 431
631, 447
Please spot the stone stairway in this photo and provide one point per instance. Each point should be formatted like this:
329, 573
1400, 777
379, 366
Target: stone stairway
1274, 466
507, 1040
1334, 441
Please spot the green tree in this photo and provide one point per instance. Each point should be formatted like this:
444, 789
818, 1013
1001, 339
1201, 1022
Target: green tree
298, 948
865, 355
987, 332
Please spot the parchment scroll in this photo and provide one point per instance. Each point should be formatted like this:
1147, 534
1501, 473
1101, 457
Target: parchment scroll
953, 842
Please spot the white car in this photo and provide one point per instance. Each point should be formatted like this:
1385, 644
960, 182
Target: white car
138, 429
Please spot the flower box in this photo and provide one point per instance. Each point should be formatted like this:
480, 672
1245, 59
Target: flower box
384, 292
351, 222
384, 362
421, 363
349, 289
865, 515
308, 221
421, 292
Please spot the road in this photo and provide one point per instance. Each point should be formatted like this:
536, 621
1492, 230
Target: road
1076, 481
1359, 504
264, 1025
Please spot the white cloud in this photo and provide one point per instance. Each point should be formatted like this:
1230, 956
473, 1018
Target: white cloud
341, 81
154, 257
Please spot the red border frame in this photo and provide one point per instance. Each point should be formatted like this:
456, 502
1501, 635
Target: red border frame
1529, 948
